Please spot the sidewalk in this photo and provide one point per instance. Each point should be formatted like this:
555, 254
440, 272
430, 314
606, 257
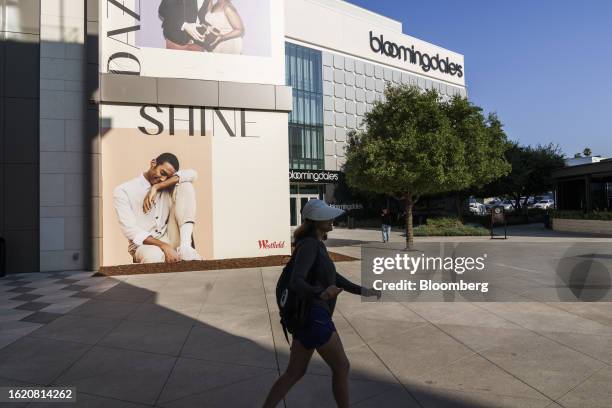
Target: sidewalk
212, 339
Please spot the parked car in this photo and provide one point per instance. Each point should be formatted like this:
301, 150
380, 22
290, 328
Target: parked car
508, 205
477, 208
493, 203
545, 204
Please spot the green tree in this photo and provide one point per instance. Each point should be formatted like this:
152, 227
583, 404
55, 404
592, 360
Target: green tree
407, 150
587, 152
531, 172
485, 144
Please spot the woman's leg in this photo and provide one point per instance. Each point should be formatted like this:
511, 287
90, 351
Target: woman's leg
298, 363
335, 357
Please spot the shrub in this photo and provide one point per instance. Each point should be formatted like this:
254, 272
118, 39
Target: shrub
580, 215
448, 227
444, 222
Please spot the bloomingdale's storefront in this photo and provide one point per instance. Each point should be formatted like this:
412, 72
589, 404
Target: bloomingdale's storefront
337, 69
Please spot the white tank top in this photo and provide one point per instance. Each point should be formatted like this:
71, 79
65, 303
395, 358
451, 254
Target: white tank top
219, 20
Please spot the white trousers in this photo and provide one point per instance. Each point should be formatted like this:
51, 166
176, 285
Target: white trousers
182, 211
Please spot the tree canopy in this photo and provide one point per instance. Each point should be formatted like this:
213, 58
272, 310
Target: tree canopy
485, 143
531, 172
415, 144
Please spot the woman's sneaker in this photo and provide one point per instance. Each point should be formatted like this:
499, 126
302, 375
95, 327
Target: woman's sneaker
188, 253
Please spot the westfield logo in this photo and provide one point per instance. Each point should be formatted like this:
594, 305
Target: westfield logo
265, 244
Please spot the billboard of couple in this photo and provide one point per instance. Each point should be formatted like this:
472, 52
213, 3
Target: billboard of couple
239, 27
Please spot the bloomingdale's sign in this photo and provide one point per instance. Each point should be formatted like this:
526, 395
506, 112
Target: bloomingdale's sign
314, 176
426, 61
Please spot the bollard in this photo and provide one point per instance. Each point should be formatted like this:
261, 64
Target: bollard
350, 222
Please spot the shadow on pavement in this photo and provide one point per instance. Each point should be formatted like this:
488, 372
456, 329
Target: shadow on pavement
192, 340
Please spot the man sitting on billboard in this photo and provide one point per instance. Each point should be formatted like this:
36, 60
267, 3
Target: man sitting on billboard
157, 212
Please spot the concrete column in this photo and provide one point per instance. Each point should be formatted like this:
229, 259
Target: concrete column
64, 151
587, 194
92, 70
19, 133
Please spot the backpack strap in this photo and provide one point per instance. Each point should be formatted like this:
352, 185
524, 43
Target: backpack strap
285, 333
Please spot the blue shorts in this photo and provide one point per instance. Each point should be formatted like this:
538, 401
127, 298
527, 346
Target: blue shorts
318, 330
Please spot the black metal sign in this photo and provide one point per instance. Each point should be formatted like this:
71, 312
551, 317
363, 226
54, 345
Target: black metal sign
498, 217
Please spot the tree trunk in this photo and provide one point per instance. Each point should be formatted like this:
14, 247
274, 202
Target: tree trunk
409, 227
458, 202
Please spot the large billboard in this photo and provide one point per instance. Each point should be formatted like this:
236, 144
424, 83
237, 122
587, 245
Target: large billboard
183, 182
232, 183
238, 27
195, 39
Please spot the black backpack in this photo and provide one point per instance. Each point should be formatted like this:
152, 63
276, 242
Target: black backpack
293, 308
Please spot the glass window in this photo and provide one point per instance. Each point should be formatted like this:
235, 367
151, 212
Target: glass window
304, 73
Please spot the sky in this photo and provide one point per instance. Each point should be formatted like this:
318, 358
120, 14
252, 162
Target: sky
543, 66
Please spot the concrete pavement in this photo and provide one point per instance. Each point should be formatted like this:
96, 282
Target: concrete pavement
212, 339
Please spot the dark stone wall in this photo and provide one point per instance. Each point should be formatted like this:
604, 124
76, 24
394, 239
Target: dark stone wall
19, 143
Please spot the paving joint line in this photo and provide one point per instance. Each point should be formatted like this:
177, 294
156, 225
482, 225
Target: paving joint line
551, 304
382, 362
218, 387
76, 360
193, 323
579, 384
272, 330
547, 337
477, 352
96, 344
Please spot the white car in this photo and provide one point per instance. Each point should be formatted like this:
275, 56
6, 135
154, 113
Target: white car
477, 208
545, 204
508, 205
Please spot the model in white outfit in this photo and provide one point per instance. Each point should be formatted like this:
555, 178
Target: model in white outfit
170, 220
220, 20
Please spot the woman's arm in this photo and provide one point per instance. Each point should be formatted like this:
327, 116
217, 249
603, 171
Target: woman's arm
305, 256
347, 285
355, 289
235, 21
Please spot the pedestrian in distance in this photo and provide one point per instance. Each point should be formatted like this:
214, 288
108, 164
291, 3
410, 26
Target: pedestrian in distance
317, 283
386, 224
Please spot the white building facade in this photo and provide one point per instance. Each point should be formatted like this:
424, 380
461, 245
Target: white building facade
264, 124
355, 54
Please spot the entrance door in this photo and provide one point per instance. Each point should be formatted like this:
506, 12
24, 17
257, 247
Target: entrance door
297, 200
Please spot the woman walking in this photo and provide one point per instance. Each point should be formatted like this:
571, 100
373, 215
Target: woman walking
313, 264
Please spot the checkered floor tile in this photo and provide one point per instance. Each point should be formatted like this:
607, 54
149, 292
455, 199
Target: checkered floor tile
28, 301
